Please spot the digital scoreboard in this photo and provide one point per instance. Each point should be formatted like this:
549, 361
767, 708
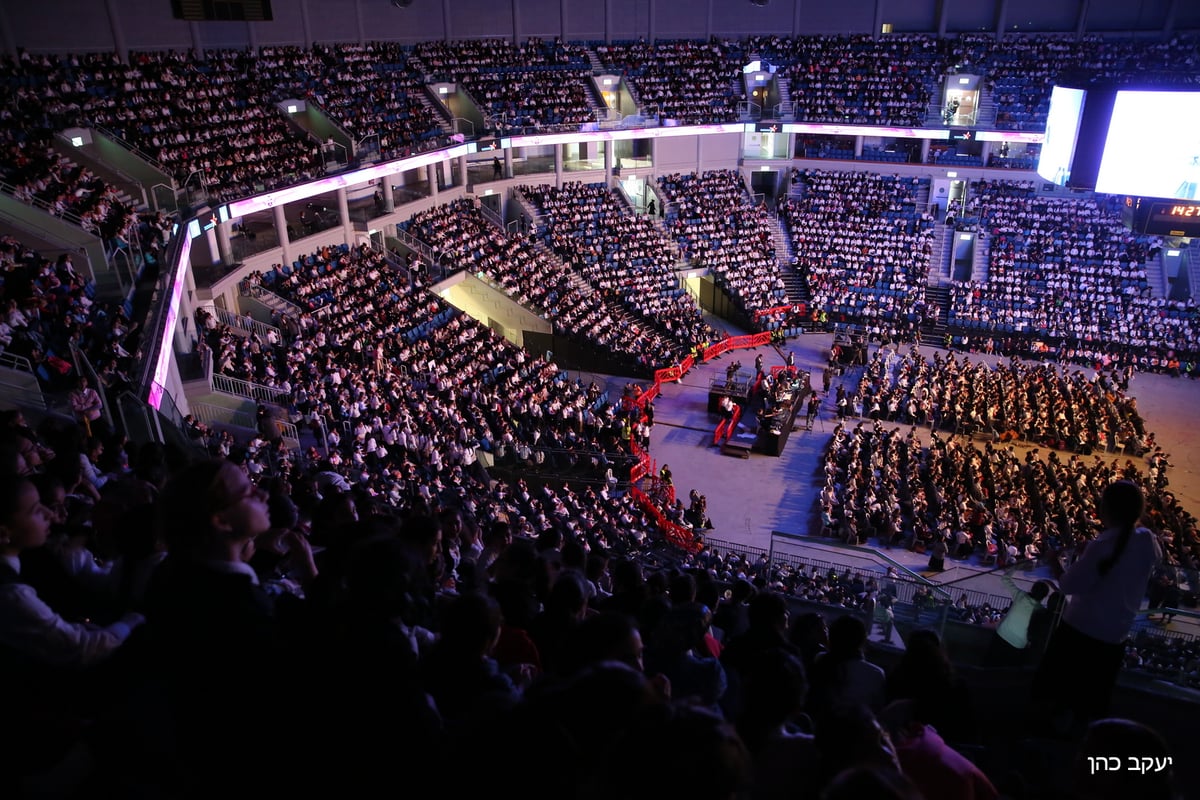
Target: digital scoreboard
1163, 217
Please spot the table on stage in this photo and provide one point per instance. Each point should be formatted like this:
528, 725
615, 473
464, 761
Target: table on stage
776, 427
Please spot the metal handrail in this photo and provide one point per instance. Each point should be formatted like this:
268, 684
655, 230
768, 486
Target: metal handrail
116, 259
748, 108
37, 202
210, 414
246, 323
133, 149
413, 243
456, 123
328, 145
219, 415
174, 196
83, 366
359, 146
14, 361
255, 391
260, 292
491, 216
203, 183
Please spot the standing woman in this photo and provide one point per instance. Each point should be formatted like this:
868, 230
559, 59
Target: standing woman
1105, 588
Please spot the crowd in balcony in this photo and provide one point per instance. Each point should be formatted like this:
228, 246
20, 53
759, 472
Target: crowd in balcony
369, 89
210, 115
535, 85
862, 245
627, 257
48, 307
688, 81
1069, 270
1020, 71
721, 229
414, 381
860, 80
465, 239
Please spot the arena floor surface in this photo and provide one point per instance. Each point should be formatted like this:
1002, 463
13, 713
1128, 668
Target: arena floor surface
750, 498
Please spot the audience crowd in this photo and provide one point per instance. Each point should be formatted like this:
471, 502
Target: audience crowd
535, 277
861, 80
536, 85
370, 89
687, 81
496, 615
862, 245
719, 228
628, 258
1069, 270
1045, 404
882, 483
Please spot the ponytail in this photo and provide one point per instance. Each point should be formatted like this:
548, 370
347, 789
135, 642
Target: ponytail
1122, 505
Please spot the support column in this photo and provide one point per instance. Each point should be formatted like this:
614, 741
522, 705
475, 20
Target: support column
609, 161
1001, 20
462, 171
389, 195
344, 215
558, 165
924, 151
6, 35
224, 246
508, 163
1169, 19
431, 176
985, 152
306, 25
858, 146
114, 21
285, 241
197, 42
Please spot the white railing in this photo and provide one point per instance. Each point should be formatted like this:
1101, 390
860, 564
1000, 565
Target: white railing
748, 109
491, 216
255, 391
463, 126
269, 298
413, 243
219, 415
19, 392
250, 324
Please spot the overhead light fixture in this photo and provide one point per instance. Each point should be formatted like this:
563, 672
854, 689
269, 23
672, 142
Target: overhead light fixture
77, 141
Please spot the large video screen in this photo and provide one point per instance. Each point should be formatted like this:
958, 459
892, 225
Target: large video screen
1152, 147
1062, 131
